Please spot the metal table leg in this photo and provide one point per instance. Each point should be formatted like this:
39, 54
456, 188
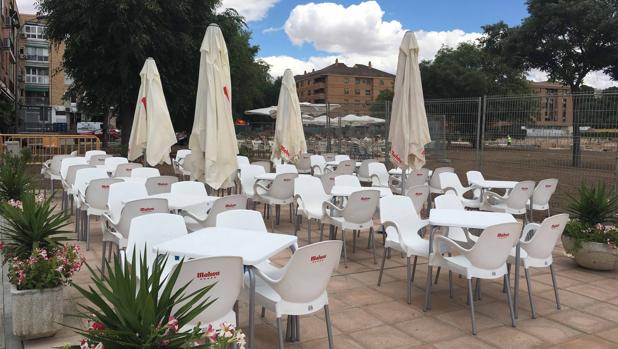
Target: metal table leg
516, 286
251, 340
429, 272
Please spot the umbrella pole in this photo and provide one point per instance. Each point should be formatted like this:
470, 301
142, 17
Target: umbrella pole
403, 181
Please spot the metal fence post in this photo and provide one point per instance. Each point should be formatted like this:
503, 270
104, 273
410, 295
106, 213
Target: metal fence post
483, 120
478, 133
387, 126
328, 135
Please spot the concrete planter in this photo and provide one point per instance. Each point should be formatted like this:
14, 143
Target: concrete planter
37, 313
592, 255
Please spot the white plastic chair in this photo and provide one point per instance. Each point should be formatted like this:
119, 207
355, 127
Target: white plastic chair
309, 195
413, 179
299, 288
303, 165
474, 176
95, 201
514, 202
145, 172
208, 219
378, 174
363, 170
485, 260
225, 276
242, 161
449, 181
124, 170
450, 201
265, 164
418, 194
537, 244
90, 153
318, 164
347, 181
345, 167
285, 168
181, 154
98, 160
82, 178
247, 179
340, 158
242, 219
281, 192
52, 170
542, 194
68, 183
122, 192
113, 162
434, 182
186, 166
328, 181
146, 232
160, 184
357, 215
68, 162
402, 229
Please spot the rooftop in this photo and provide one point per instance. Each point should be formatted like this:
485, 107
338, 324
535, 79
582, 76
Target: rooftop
339, 68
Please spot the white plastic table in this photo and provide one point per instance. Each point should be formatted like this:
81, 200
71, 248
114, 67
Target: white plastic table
184, 201
336, 163
494, 184
397, 172
345, 191
462, 219
271, 176
253, 247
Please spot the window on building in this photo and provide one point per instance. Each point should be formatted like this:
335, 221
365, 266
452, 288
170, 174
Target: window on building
381, 82
357, 91
40, 54
367, 92
35, 75
35, 32
346, 81
346, 91
357, 81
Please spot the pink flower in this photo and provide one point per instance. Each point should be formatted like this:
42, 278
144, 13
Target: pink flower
172, 323
21, 277
599, 226
97, 326
43, 254
211, 334
83, 344
1, 246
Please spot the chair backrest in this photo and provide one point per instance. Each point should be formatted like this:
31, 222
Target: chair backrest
417, 177
542, 243
306, 275
329, 157
379, 174
242, 219
434, 181
363, 170
139, 207
247, 177
160, 184
399, 209
448, 202
181, 154
123, 192
85, 175
98, 159
189, 188
318, 164
340, 158
224, 204
361, 206
519, 196
68, 162
147, 232
494, 246
286, 168
450, 180
90, 153
224, 274
304, 163
145, 172
347, 181
97, 192
544, 191
242, 161
283, 186
54, 166
418, 194
187, 163
474, 176
264, 164
328, 181
310, 190
112, 162
125, 170
346, 167
72, 173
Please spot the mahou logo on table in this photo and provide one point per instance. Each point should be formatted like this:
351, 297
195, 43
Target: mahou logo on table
318, 258
208, 275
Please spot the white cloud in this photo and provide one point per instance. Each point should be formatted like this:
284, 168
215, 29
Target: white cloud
26, 6
599, 80
252, 10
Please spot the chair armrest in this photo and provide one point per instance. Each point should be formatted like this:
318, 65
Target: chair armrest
109, 219
530, 228
326, 205
448, 244
270, 281
200, 220
314, 167
257, 186
299, 201
391, 224
488, 196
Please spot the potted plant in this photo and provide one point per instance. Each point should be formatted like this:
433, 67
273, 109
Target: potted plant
591, 236
14, 182
39, 264
124, 311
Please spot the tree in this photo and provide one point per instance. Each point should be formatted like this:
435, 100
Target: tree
378, 106
107, 42
567, 39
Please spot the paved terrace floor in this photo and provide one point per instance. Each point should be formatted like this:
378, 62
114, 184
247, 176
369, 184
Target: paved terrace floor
367, 316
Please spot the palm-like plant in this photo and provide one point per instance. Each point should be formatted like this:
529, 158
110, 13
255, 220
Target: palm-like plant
14, 183
34, 225
593, 205
133, 312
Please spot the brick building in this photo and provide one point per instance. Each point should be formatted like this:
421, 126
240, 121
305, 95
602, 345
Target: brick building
354, 88
9, 62
556, 104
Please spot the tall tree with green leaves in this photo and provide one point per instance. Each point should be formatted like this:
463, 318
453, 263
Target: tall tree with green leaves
567, 39
107, 43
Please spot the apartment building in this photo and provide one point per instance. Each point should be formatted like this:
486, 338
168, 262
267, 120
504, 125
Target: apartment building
9, 42
354, 88
45, 83
556, 104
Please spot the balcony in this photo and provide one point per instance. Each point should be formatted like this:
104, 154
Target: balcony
37, 59
36, 101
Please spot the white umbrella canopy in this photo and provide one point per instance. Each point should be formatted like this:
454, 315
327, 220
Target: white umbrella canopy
289, 142
213, 138
152, 129
408, 131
